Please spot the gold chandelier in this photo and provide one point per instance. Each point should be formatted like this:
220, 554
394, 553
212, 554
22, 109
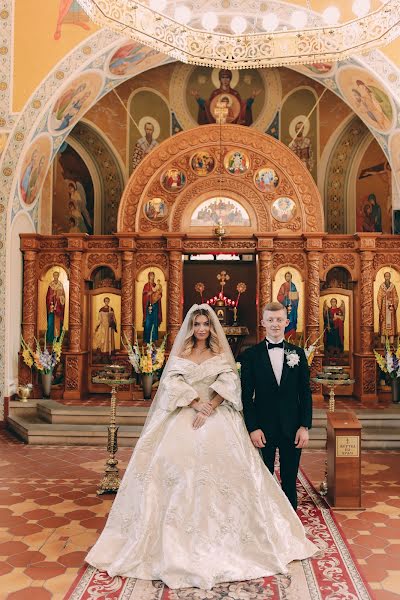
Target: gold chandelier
246, 36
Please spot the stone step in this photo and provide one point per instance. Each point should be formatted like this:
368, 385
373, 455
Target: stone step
52, 423
51, 411
35, 431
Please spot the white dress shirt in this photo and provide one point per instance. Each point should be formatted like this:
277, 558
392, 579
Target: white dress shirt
276, 356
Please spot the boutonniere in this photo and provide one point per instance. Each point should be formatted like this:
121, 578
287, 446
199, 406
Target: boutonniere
292, 358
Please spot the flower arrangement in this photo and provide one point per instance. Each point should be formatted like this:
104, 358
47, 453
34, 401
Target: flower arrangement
148, 358
390, 362
42, 359
310, 349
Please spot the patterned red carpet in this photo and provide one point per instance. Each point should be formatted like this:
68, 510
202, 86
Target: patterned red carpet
332, 574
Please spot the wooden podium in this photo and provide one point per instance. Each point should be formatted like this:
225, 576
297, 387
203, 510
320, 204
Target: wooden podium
344, 460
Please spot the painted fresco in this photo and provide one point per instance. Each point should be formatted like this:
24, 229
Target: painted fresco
374, 192
367, 97
74, 101
73, 194
34, 168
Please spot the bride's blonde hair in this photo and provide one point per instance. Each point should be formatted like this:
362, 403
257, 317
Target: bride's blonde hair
190, 341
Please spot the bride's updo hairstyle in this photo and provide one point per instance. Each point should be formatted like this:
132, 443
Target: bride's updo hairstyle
190, 341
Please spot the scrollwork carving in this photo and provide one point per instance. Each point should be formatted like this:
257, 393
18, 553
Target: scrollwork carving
369, 376
339, 259
75, 302
215, 245
99, 243
143, 259
313, 264
71, 373
386, 259
297, 260
46, 260
333, 244
265, 290
127, 295
102, 258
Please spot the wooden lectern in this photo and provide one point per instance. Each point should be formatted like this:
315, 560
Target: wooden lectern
344, 460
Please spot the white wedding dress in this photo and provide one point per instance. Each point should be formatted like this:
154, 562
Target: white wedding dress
199, 507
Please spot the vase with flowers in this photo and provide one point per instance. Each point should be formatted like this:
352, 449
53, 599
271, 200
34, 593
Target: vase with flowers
43, 359
389, 364
146, 361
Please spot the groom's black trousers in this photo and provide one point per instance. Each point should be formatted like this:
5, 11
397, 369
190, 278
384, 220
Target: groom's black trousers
289, 459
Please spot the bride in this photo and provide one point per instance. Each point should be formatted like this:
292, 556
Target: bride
197, 506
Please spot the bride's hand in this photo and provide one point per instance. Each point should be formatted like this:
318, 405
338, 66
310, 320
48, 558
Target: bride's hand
199, 421
203, 407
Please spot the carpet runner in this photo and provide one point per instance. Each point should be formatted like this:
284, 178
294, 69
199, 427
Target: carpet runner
330, 575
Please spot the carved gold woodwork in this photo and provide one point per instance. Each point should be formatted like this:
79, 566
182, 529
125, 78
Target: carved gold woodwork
367, 295
295, 260
174, 295
75, 302
127, 296
265, 284
263, 150
146, 259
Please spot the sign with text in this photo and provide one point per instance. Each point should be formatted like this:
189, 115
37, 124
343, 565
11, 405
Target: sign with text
348, 446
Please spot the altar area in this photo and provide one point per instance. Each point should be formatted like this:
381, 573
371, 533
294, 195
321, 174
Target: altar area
274, 249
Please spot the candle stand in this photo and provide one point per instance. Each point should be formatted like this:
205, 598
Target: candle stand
113, 376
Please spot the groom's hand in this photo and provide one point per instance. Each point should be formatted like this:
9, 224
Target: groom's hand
302, 437
258, 438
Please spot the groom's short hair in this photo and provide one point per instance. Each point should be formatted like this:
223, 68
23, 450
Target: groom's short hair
274, 307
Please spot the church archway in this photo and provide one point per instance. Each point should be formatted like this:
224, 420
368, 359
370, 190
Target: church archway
278, 189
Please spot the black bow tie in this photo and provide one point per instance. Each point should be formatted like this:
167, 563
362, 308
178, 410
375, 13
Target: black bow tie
272, 345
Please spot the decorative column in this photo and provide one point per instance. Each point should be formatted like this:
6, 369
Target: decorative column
365, 364
127, 245
75, 359
29, 304
175, 288
264, 279
312, 332
127, 296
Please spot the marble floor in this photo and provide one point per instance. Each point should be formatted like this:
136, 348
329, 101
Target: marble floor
50, 516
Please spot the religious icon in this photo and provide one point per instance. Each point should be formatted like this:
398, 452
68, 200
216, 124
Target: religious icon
301, 143
34, 168
369, 217
152, 310
75, 100
236, 162
289, 297
266, 179
220, 210
227, 98
334, 317
55, 306
150, 130
283, 209
70, 12
367, 96
202, 163
155, 209
106, 328
127, 58
173, 180
388, 302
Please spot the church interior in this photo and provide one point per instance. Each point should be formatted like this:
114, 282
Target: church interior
138, 179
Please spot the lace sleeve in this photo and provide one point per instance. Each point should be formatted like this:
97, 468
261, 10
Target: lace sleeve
175, 392
227, 385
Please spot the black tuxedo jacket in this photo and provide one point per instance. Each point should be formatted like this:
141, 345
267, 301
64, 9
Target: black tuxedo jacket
276, 409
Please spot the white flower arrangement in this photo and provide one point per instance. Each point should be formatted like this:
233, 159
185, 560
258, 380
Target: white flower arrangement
292, 358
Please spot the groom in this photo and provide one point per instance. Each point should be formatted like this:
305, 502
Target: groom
276, 395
